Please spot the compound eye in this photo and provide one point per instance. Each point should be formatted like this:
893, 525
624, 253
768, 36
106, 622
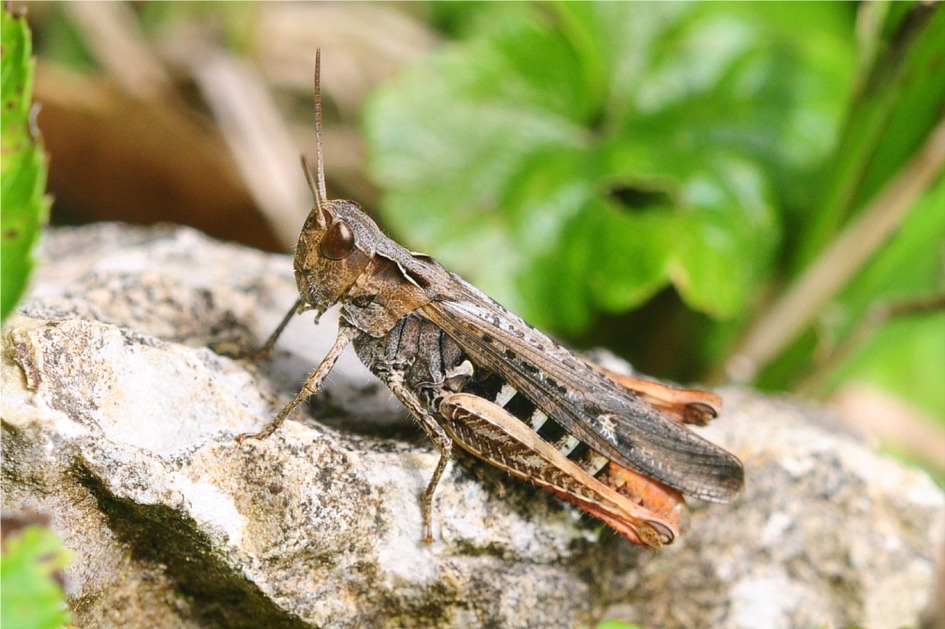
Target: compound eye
338, 242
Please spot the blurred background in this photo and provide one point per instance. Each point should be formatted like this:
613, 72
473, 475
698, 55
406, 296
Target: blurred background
717, 192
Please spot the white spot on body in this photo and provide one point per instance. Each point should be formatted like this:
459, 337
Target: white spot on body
607, 428
465, 368
566, 446
595, 463
506, 393
538, 419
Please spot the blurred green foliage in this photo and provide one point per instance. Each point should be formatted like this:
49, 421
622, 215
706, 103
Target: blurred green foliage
24, 207
594, 153
902, 98
576, 160
30, 598
617, 624
906, 355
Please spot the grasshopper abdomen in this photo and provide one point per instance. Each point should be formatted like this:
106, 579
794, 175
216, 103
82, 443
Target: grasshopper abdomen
485, 415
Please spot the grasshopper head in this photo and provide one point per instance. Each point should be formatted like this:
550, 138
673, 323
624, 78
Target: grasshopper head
338, 239
335, 247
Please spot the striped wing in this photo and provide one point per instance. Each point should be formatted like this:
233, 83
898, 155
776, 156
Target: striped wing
590, 406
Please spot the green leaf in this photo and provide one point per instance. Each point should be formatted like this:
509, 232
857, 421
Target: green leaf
899, 102
584, 156
906, 355
901, 98
30, 598
22, 168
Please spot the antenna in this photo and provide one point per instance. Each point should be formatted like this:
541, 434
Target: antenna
322, 194
311, 182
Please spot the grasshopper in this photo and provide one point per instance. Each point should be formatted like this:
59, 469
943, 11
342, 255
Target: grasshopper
478, 377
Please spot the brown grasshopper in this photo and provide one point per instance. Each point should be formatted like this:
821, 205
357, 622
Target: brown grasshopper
477, 376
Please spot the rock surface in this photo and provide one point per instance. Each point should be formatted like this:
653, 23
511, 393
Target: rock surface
119, 422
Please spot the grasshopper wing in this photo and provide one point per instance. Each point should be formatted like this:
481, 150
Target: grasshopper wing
589, 405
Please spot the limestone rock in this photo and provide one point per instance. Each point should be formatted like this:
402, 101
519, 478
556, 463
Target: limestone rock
120, 422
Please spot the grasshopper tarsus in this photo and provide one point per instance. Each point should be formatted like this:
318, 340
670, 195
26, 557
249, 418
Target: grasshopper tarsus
427, 500
273, 425
276, 421
238, 350
263, 352
437, 434
258, 355
230, 348
240, 438
312, 384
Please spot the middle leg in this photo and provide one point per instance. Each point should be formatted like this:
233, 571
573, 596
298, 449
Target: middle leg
442, 441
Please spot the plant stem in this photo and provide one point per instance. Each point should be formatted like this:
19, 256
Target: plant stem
852, 248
